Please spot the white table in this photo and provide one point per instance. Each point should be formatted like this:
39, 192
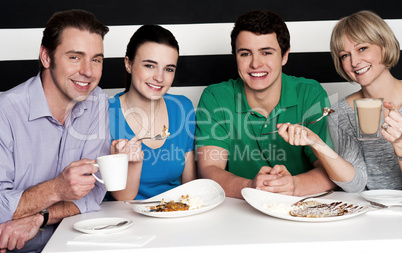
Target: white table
235, 225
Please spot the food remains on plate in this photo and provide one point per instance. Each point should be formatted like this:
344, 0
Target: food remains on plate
314, 209
184, 204
170, 206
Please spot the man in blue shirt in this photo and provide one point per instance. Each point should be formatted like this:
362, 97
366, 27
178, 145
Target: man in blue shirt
52, 128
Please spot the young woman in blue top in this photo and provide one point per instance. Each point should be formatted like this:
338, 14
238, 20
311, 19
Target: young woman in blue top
143, 110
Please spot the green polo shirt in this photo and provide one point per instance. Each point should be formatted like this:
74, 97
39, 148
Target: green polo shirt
225, 119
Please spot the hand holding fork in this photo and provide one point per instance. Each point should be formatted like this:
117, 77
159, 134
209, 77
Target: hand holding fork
326, 111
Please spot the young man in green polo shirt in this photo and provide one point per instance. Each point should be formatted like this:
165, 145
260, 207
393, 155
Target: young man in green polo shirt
233, 116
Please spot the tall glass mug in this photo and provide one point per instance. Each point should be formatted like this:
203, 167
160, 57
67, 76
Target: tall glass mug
368, 115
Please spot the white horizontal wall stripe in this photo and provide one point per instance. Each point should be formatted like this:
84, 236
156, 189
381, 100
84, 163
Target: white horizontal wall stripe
194, 39
20, 44
203, 39
310, 36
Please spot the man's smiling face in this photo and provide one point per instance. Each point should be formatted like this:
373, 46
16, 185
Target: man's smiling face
259, 60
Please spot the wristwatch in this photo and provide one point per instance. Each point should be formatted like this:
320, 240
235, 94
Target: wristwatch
45, 214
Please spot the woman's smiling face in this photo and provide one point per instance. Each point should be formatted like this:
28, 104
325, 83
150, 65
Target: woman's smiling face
153, 69
362, 62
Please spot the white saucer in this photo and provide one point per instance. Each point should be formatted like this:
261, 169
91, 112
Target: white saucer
87, 226
386, 197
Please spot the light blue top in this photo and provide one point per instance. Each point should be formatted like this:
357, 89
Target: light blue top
35, 147
162, 167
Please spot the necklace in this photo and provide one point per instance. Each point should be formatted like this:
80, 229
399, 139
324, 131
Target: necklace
142, 127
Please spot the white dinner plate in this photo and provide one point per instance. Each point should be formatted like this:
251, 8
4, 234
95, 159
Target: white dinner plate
260, 199
87, 226
386, 197
208, 191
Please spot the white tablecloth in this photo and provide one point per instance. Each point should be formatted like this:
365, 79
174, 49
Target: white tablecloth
235, 225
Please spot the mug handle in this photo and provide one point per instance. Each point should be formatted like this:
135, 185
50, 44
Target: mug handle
99, 180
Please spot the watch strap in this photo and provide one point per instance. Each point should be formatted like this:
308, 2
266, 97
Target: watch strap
45, 214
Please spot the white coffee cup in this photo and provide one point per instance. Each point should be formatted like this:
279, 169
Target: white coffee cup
113, 169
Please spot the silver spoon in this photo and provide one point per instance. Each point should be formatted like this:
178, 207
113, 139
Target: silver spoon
316, 196
379, 205
325, 112
113, 225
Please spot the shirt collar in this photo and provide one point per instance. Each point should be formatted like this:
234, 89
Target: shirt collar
38, 103
37, 100
288, 93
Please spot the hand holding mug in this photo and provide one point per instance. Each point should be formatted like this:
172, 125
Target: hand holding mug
73, 182
392, 127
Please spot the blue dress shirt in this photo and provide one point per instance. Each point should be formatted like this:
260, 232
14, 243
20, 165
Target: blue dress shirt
35, 147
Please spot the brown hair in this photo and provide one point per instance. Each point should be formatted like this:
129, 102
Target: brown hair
79, 19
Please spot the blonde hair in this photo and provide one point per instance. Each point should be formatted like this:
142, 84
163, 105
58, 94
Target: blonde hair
364, 27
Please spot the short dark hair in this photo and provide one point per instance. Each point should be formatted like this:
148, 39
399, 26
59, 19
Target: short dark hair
262, 22
148, 33
80, 19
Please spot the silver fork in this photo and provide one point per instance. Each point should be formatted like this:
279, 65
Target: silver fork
315, 196
157, 137
325, 112
379, 205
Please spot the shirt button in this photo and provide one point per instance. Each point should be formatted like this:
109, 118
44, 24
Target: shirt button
265, 125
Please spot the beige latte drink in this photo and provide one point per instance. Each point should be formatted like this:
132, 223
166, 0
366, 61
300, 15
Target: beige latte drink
369, 113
